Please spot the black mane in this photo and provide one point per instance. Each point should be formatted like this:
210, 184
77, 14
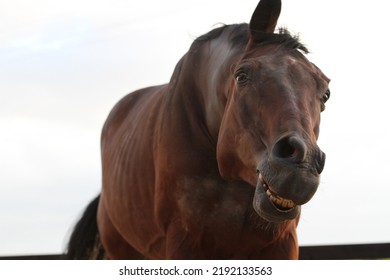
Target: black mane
240, 36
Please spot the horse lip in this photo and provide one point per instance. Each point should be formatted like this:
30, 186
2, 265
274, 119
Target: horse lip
281, 203
266, 209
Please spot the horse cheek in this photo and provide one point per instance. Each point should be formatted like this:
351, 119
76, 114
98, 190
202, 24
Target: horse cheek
226, 154
237, 154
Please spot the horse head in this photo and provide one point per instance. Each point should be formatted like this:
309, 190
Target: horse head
270, 126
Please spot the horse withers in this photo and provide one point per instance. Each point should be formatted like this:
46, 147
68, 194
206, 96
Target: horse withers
217, 163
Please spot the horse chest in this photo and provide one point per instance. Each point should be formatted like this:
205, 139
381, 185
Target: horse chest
218, 219
210, 198
211, 206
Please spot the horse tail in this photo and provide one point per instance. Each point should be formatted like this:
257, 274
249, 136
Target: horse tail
84, 242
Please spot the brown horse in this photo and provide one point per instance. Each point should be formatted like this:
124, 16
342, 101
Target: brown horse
217, 163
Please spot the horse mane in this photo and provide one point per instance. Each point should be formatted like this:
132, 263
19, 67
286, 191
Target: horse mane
240, 35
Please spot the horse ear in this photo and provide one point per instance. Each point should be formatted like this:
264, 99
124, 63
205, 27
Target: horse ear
264, 18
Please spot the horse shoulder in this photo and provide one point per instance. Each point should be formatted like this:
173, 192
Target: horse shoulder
128, 172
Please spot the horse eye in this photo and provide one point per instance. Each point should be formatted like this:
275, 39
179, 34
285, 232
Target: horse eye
326, 96
241, 77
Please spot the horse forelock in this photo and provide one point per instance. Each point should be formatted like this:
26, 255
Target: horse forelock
285, 39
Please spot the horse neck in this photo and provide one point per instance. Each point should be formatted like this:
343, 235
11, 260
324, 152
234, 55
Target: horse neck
202, 80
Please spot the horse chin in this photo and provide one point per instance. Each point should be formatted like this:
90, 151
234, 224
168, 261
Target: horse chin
273, 208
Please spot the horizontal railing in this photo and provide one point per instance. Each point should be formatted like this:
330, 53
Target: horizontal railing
345, 252
328, 252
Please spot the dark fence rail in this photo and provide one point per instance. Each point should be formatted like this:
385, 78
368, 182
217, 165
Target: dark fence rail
329, 252
345, 252
34, 257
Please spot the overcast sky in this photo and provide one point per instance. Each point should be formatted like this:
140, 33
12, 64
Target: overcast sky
64, 64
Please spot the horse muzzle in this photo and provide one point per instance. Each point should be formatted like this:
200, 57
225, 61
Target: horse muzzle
287, 179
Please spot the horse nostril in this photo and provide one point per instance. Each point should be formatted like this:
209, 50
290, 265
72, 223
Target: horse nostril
290, 147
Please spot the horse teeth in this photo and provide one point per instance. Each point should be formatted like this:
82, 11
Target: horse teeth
279, 201
285, 203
